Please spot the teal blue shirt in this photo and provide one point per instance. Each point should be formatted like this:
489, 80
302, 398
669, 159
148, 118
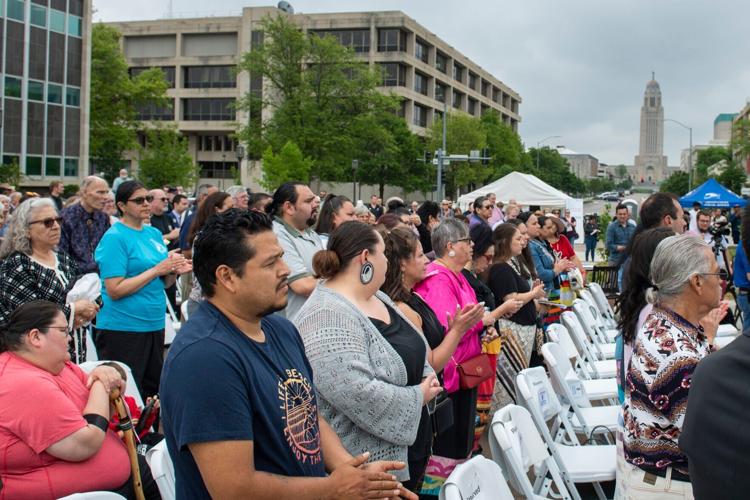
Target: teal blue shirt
125, 252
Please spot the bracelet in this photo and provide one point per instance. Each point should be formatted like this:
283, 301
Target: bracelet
97, 421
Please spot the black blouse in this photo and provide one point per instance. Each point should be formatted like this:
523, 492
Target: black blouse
503, 281
407, 343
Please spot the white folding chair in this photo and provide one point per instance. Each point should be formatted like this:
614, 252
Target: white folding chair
184, 311
598, 368
603, 304
171, 324
565, 380
577, 416
478, 479
727, 330
94, 495
578, 464
601, 345
162, 469
516, 445
91, 353
131, 389
609, 333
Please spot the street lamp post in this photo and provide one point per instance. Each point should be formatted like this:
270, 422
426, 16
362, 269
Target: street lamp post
538, 143
690, 151
240, 152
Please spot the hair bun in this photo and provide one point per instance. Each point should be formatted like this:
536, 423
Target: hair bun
326, 264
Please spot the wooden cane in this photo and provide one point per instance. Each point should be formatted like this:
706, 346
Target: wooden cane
126, 425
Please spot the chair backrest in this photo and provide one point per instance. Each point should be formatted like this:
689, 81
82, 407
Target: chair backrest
557, 332
515, 443
588, 322
131, 389
162, 469
94, 495
565, 380
601, 300
184, 311
91, 354
578, 336
478, 479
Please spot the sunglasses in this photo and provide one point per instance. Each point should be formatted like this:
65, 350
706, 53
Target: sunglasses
139, 200
465, 240
49, 222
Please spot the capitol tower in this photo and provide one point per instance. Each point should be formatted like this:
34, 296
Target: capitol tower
650, 163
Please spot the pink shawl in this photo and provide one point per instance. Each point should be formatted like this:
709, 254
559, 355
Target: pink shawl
443, 290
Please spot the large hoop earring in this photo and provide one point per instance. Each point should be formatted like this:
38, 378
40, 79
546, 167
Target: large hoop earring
366, 273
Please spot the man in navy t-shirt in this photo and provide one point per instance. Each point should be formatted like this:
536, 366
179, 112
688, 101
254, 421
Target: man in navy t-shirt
239, 407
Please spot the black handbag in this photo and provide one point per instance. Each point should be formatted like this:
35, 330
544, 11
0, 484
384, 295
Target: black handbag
442, 415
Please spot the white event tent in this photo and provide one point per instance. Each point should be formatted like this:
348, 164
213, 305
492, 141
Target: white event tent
526, 189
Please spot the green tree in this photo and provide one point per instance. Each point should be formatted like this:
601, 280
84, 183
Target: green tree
390, 154
621, 171
677, 183
625, 183
554, 170
463, 133
739, 144
733, 177
505, 147
115, 98
597, 185
10, 173
289, 164
706, 158
165, 159
320, 94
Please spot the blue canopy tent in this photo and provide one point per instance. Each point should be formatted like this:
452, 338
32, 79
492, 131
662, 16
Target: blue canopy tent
711, 194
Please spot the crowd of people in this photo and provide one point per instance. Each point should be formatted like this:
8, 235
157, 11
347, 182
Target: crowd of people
331, 348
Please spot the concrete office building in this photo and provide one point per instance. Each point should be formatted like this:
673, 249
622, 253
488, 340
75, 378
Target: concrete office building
44, 92
198, 56
582, 165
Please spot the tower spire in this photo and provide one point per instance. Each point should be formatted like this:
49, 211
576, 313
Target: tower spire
653, 75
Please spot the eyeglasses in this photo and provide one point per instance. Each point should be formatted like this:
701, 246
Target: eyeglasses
465, 240
722, 274
141, 199
61, 328
164, 199
486, 207
49, 222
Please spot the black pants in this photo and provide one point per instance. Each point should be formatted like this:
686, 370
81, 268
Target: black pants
143, 352
150, 489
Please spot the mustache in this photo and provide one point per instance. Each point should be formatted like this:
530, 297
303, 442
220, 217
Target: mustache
284, 282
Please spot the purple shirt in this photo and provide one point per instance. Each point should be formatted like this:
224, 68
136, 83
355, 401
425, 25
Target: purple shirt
443, 290
81, 232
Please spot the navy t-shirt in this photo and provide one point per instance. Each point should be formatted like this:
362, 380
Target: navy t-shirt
219, 385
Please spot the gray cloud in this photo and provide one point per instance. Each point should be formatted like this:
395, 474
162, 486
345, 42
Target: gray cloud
581, 66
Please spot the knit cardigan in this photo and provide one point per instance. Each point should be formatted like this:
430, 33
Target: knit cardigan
359, 378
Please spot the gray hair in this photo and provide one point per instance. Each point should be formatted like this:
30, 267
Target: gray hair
675, 261
89, 180
202, 190
448, 231
233, 191
361, 210
17, 237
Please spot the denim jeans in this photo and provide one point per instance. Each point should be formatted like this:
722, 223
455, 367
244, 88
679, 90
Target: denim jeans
743, 302
590, 247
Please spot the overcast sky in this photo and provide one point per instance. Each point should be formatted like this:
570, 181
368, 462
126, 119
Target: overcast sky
580, 66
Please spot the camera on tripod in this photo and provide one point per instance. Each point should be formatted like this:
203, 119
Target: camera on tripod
719, 229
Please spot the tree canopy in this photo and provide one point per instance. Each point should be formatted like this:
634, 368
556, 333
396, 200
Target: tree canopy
165, 159
115, 98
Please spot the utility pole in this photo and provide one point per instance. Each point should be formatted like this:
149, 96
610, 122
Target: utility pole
441, 154
537, 147
690, 151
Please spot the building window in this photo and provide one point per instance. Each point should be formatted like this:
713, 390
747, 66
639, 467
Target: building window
485, 88
15, 10
155, 112
38, 15
71, 167
57, 20
10, 160
169, 73
441, 62
420, 115
357, 40
440, 90
74, 26
52, 167
422, 51
36, 91
12, 87
73, 97
208, 109
394, 74
217, 169
496, 94
420, 83
473, 81
458, 72
457, 99
472, 106
33, 165
209, 77
54, 93
391, 40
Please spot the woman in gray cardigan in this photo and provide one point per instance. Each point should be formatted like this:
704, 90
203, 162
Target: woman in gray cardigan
369, 364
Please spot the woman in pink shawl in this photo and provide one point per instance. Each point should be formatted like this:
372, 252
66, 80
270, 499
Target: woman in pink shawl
446, 290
